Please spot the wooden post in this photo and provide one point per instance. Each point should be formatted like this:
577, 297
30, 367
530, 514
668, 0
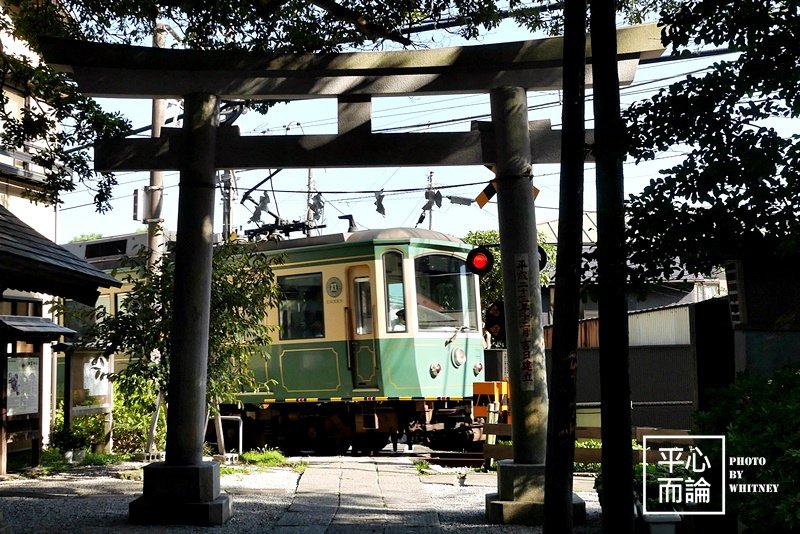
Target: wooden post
564, 367
615, 393
3, 406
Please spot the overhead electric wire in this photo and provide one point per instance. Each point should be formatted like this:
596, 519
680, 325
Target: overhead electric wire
389, 191
369, 193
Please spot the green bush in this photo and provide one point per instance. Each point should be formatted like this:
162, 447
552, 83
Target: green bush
101, 458
759, 417
84, 431
594, 467
133, 414
654, 473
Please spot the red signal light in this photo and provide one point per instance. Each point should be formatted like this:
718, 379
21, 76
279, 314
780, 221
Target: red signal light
480, 260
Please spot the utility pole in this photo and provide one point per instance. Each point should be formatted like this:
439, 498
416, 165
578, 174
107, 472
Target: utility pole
312, 186
155, 232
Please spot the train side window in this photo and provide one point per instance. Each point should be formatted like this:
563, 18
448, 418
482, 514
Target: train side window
395, 292
445, 293
301, 310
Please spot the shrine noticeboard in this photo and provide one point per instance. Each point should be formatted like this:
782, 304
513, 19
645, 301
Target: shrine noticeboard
90, 388
22, 386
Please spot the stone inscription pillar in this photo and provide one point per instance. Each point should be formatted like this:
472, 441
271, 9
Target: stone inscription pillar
520, 483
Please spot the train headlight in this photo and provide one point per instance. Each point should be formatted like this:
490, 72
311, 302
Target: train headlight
458, 357
477, 368
435, 370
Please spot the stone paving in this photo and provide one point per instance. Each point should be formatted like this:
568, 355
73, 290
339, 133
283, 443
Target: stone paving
359, 495
335, 495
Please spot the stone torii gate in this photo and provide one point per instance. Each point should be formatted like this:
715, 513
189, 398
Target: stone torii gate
184, 489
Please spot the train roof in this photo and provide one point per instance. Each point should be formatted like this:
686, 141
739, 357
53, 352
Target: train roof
363, 236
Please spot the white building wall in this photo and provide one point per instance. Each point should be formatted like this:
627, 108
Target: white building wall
39, 217
663, 326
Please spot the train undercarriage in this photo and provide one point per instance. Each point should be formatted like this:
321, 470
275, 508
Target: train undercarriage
363, 427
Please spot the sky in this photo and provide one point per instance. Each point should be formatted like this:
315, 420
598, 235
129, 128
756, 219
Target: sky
351, 191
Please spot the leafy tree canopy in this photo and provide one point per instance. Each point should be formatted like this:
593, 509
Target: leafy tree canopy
85, 237
243, 289
270, 26
738, 190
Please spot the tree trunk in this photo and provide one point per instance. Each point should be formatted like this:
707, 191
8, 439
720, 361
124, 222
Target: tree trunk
615, 394
220, 433
151, 434
561, 427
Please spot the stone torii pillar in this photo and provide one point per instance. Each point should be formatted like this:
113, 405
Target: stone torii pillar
520, 482
184, 489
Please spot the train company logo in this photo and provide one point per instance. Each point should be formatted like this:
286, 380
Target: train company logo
683, 474
333, 287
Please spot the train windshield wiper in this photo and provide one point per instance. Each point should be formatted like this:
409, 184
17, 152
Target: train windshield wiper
464, 328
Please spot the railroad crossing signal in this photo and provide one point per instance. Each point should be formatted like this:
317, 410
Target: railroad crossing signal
480, 260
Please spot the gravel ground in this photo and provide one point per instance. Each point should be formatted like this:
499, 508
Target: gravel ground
462, 508
95, 500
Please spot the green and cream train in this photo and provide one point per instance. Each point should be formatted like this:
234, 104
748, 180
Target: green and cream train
378, 337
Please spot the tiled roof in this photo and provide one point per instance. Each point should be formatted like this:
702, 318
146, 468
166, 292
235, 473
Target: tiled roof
26, 327
31, 262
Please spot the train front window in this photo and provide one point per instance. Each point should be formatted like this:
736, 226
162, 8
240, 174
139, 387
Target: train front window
301, 313
445, 293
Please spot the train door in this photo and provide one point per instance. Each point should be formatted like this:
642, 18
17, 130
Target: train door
362, 357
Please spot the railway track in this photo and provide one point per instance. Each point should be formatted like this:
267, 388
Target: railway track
440, 458
453, 459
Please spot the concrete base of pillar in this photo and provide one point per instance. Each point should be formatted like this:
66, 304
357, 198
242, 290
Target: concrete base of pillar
501, 512
520, 496
184, 495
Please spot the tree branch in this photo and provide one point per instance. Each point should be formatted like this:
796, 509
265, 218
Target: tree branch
361, 21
